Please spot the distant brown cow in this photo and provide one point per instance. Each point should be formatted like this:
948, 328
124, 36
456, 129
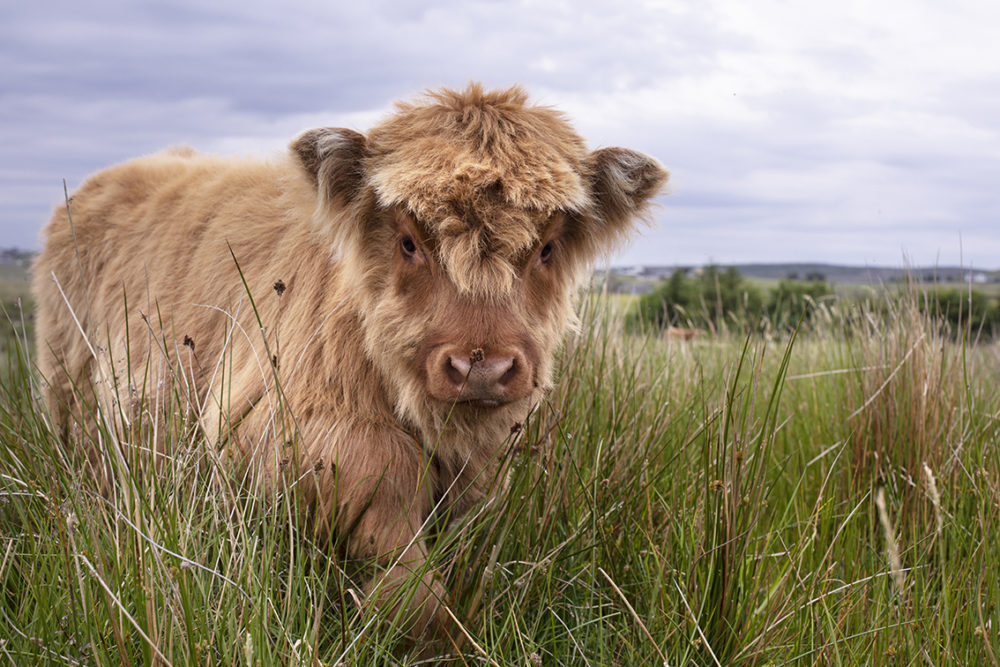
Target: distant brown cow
685, 335
426, 272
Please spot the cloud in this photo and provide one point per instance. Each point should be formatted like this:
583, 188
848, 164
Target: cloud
838, 131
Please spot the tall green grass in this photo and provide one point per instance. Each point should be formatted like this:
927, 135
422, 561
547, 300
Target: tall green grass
829, 497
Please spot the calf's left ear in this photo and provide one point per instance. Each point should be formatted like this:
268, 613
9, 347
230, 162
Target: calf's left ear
622, 182
333, 157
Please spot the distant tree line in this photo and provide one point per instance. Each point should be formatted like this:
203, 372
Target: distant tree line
722, 297
966, 311
717, 298
16, 256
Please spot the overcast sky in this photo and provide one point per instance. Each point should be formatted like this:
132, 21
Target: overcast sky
846, 132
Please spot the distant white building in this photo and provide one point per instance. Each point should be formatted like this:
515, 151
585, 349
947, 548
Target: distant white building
634, 271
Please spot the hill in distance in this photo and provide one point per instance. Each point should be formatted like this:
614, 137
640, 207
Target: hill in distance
834, 273
14, 265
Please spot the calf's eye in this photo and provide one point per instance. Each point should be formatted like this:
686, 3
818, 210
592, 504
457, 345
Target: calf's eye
408, 246
546, 253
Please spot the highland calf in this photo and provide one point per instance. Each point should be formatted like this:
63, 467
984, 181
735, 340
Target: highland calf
389, 303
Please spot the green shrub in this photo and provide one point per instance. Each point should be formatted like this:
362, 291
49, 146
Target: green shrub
793, 299
718, 298
964, 310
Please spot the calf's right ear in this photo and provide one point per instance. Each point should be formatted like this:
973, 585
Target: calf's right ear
623, 182
334, 158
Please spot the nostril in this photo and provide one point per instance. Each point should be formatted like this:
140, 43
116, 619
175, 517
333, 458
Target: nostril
509, 375
457, 369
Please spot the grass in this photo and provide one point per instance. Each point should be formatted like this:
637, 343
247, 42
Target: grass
827, 498
16, 305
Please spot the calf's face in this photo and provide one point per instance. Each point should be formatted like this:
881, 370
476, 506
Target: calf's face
477, 348
463, 223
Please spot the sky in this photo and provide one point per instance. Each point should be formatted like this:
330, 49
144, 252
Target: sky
850, 132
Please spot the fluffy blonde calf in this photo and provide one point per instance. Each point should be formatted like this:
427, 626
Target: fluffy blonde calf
426, 272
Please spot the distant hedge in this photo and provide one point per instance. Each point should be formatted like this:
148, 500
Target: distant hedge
965, 310
722, 297
717, 298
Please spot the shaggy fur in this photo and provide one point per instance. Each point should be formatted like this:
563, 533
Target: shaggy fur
426, 273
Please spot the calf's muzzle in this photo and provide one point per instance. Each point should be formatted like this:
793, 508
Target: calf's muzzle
481, 377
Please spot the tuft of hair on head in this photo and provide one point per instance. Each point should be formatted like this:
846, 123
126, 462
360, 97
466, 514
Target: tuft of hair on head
474, 95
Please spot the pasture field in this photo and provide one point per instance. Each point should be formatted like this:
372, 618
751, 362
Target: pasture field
830, 497
16, 306
13, 282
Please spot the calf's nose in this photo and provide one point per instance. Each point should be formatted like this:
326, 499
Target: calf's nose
479, 373
485, 378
